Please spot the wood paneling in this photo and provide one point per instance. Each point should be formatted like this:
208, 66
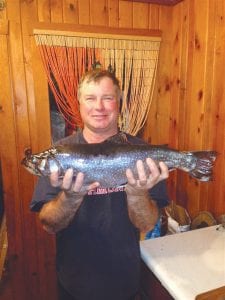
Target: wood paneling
161, 2
9, 164
188, 111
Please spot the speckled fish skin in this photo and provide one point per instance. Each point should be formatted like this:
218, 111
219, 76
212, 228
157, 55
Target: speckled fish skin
107, 162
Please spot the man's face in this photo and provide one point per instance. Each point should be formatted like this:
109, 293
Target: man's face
99, 106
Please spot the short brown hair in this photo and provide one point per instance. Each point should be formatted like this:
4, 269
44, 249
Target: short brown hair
97, 75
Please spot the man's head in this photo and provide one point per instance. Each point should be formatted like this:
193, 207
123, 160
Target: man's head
98, 95
96, 76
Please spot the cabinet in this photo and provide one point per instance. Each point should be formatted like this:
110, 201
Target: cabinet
151, 288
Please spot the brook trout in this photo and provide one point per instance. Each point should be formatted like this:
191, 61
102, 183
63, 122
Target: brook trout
106, 162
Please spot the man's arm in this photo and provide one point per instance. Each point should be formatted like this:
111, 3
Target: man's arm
59, 212
143, 211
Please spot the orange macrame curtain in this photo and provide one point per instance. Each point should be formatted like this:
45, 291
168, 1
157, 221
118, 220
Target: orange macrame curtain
64, 67
67, 55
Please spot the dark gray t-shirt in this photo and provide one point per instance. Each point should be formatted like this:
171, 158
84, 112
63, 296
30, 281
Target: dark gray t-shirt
98, 255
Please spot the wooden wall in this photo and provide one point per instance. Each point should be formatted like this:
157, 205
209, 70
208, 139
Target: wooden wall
188, 112
189, 107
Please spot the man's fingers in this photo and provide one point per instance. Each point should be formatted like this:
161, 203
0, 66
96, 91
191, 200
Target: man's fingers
154, 170
141, 172
146, 179
54, 179
67, 180
130, 177
164, 170
93, 186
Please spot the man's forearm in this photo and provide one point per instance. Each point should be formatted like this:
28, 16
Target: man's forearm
58, 213
143, 211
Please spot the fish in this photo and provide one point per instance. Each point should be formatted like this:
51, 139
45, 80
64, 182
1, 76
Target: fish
107, 162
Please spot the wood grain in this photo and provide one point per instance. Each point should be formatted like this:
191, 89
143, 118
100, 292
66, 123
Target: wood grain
187, 112
217, 294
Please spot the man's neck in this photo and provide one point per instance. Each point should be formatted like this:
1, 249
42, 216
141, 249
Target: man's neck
97, 137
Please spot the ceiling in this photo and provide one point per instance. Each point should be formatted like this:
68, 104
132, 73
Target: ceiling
161, 2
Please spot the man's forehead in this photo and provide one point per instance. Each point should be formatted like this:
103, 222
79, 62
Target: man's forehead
90, 85
97, 80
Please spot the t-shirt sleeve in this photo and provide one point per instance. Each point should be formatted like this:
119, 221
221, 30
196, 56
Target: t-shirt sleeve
159, 194
43, 193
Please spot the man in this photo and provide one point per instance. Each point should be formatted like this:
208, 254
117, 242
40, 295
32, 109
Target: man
97, 230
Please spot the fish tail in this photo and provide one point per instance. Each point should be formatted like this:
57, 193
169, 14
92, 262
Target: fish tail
203, 170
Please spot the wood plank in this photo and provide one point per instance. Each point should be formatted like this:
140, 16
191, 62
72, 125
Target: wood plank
208, 122
196, 110
28, 13
22, 134
175, 121
154, 16
161, 135
99, 12
218, 111
160, 2
3, 13
56, 11
70, 11
113, 7
198, 72
4, 27
181, 178
217, 294
84, 12
140, 15
9, 165
3, 245
42, 111
42, 134
44, 11
40, 252
187, 55
125, 14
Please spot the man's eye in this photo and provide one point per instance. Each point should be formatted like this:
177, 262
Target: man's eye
89, 99
108, 98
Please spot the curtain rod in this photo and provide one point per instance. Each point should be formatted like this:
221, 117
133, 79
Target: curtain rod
70, 29
96, 35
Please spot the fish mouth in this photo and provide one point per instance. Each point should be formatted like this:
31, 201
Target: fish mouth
32, 170
30, 167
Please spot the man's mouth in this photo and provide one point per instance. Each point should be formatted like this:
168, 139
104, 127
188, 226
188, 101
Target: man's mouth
99, 116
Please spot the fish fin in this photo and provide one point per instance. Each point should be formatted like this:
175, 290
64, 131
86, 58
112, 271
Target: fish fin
119, 138
204, 165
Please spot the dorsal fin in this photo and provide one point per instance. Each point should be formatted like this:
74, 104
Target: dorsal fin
119, 138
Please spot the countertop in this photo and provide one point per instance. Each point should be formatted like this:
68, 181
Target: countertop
187, 264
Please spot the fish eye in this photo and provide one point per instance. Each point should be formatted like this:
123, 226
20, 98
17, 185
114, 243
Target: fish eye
34, 159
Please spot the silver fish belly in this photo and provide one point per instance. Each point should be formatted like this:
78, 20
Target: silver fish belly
107, 162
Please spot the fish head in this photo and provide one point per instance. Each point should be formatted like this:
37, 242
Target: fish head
41, 164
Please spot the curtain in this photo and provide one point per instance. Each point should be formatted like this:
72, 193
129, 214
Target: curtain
134, 61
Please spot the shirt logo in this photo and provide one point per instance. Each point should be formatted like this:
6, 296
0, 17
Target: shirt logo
105, 191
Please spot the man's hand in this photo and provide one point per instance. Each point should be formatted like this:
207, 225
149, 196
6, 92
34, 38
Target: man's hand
143, 211
58, 213
70, 185
144, 181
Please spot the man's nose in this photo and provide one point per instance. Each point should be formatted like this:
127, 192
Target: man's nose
99, 104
